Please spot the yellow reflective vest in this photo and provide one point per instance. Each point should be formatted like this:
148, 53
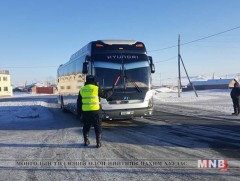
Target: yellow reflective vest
90, 99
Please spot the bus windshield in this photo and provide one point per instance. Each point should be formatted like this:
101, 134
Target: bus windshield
131, 74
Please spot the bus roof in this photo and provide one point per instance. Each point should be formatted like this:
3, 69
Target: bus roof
119, 42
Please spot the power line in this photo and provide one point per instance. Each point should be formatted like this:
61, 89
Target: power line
163, 48
210, 36
173, 46
166, 59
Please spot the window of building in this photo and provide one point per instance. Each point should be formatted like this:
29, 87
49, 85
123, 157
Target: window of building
0, 89
5, 89
4, 78
0, 78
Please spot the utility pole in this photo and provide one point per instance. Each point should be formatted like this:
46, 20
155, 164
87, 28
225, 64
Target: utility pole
179, 74
189, 78
179, 70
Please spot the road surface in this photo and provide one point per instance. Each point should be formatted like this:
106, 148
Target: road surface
164, 147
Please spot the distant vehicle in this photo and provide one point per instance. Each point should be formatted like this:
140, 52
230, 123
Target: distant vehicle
109, 60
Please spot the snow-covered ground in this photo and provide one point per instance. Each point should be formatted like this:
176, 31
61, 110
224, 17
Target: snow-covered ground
209, 103
25, 109
213, 103
34, 130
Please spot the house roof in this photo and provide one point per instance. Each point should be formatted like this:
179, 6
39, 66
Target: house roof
213, 82
4, 72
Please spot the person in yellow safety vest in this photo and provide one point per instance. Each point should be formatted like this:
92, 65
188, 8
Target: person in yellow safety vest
88, 107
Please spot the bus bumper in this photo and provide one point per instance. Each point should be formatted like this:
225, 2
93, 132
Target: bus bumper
126, 113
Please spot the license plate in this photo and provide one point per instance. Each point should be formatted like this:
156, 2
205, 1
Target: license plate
127, 113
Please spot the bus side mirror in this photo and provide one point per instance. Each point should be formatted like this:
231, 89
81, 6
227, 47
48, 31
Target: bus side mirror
85, 68
152, 67
85, 64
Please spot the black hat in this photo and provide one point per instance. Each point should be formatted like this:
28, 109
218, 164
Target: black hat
90, 78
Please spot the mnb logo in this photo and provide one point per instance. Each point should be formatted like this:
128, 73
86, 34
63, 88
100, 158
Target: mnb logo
221, 164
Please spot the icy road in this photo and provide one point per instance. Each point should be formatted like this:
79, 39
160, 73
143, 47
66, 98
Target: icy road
39, 142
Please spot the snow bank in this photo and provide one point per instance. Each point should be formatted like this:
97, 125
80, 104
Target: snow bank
208, 102
24, 111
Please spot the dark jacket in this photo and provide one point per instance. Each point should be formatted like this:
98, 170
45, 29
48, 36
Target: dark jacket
235, 93
101, 93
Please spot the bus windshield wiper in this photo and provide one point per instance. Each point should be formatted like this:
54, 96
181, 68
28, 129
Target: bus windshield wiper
134, 84
125, 79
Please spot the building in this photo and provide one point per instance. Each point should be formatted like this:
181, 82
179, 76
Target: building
211, 84
43, 90
5, 84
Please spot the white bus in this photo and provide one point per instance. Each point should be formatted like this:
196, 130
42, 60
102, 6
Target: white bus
108, 60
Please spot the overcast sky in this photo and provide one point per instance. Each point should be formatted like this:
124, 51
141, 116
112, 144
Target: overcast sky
39, 35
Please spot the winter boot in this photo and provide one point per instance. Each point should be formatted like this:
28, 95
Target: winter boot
86, 140
235, 112
99, 141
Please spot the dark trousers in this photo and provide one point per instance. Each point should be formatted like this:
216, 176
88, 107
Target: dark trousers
92, 118
236, 105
